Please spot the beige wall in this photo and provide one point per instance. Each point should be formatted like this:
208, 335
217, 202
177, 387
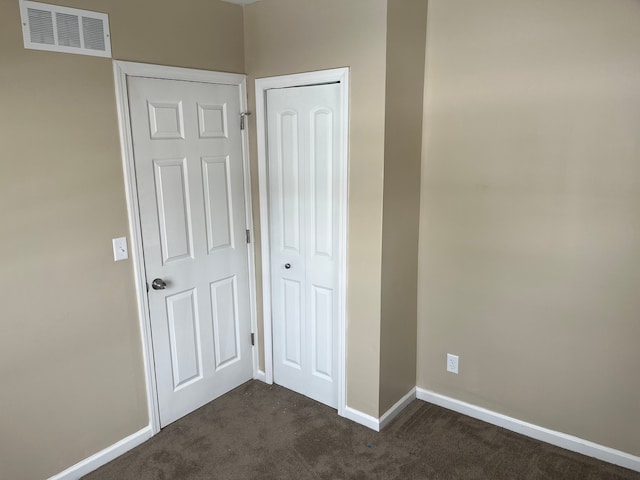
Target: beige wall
406, 32
530, 214
286, 36
70, 357
529, 217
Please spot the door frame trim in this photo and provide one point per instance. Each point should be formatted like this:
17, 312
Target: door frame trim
122, 70
340, 76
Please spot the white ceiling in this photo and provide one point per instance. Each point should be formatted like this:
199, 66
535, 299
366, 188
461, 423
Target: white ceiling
241, 2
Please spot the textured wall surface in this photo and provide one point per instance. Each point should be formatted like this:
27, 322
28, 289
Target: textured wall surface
406, 32
284, 36
71, 366
530, 213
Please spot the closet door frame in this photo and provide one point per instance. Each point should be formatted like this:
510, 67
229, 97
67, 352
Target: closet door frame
340, 76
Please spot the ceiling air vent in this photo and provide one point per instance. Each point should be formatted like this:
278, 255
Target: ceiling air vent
62, 29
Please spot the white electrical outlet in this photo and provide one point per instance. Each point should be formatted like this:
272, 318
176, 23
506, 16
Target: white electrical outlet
452, 363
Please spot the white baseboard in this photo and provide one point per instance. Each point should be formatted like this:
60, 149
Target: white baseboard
559, 439
563, 440
362, 418
397, 408
95, 461
378, 424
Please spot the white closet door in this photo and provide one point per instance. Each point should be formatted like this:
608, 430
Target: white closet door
303, 131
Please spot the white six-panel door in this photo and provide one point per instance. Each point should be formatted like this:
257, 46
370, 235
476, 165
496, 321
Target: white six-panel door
189, 175
303, 131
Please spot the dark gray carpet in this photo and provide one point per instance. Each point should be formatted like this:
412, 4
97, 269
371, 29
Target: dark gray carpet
267, 432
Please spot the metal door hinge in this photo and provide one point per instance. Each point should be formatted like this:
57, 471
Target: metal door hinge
253, 339
242, 117
248, 232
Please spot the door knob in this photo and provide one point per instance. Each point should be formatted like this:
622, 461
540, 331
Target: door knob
287, 266
158, 284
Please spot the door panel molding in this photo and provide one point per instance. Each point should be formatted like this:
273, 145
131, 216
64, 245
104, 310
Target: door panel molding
262, 85
122, 70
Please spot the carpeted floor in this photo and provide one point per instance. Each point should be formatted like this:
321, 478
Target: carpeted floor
267, 432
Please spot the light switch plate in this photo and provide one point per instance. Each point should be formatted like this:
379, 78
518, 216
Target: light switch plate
120, 250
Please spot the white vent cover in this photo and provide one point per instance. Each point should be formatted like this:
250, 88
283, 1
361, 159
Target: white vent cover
62, 29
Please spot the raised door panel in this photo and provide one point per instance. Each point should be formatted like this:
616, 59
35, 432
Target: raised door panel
224, 307
166, 120
288, 179
172, 197
292, 309
216, 177
321, 169
212, 121
184, 338
322, 334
